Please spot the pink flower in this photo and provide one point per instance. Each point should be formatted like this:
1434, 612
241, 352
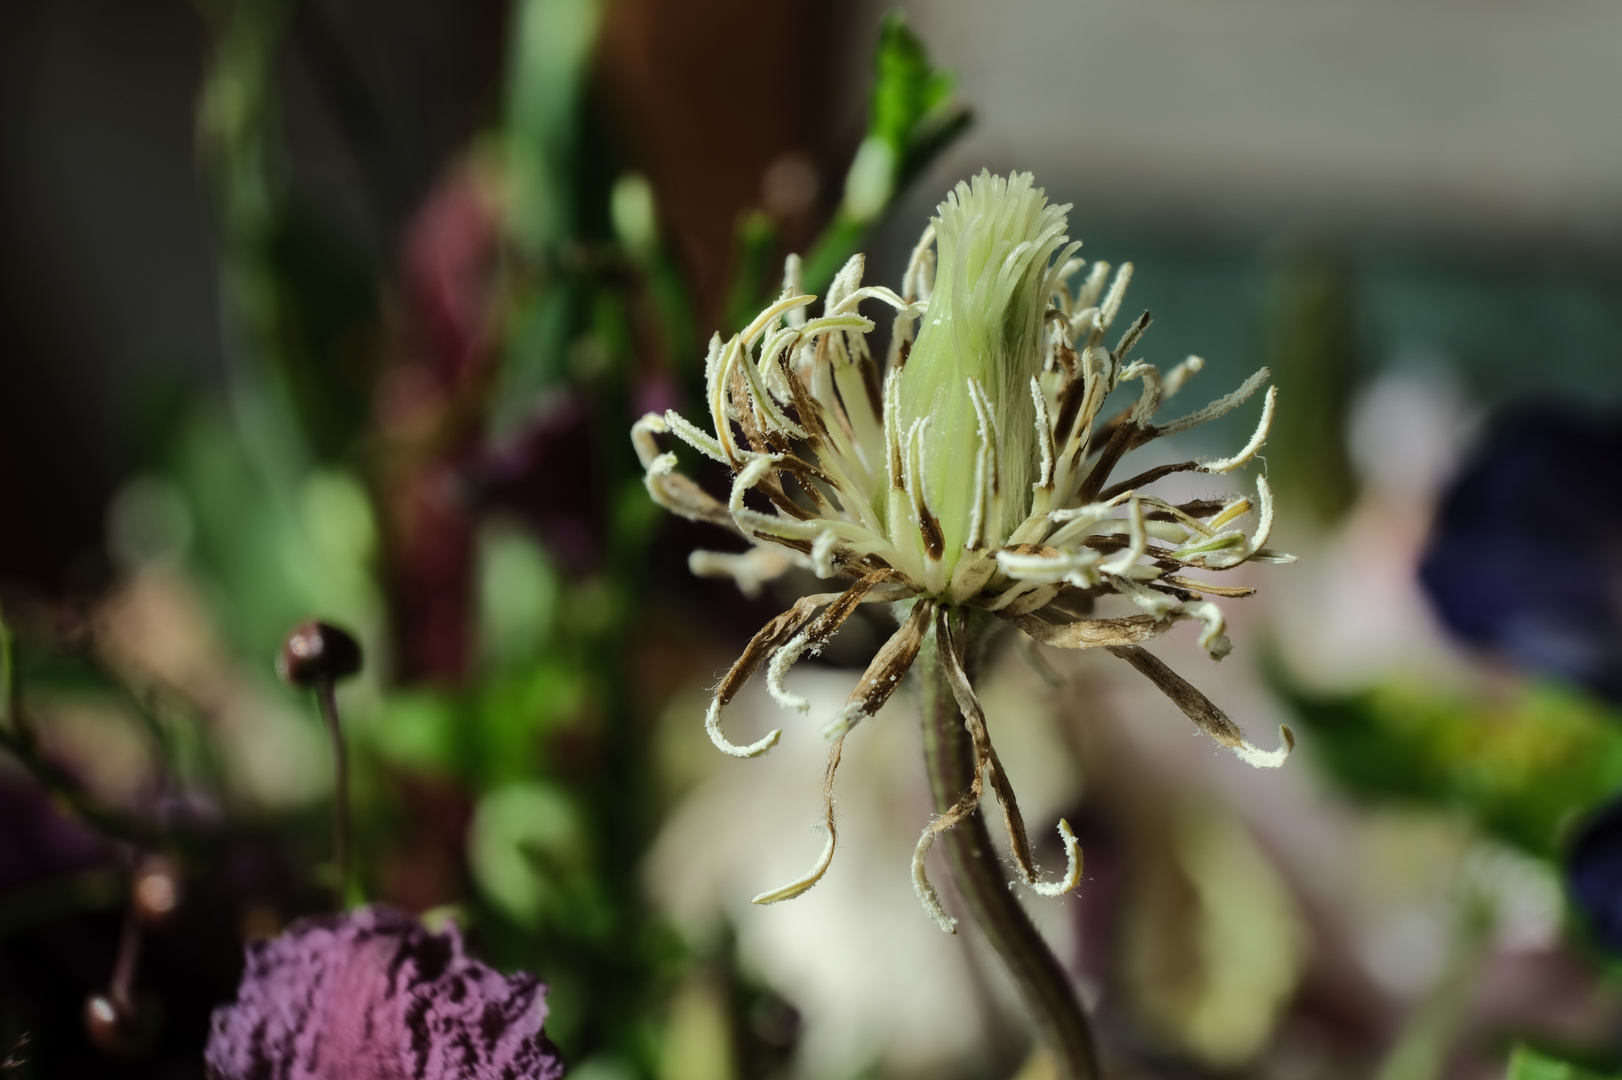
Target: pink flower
371, 995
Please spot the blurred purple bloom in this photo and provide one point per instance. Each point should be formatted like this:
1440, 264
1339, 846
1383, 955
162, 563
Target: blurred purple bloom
371, 995
545, 475
452, 249
1526, 553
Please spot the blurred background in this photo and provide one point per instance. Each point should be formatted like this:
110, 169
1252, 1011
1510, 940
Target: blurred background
344, 308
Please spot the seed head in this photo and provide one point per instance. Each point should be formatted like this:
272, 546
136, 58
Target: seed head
966, 380
975, 472
318, 652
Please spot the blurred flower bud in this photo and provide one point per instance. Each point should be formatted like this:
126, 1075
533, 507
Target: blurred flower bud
155, 890
318, 652
635, 216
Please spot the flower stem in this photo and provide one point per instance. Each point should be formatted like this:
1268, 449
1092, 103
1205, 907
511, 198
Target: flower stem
1060, 1020
328, 702
129, 955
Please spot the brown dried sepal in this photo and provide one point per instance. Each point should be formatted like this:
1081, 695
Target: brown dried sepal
884, 674
985, 755
768, 639
1195, 705
1122, 632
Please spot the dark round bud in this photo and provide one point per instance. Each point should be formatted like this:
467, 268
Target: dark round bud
317, 652
121, 1025
155, 889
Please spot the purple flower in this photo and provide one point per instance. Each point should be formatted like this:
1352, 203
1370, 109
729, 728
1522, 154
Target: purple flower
371, 995
1525, 557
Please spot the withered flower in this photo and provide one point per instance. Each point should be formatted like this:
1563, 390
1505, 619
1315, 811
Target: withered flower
973, 474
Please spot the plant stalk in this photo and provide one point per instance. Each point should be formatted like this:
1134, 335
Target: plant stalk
328, 702
1059, 1018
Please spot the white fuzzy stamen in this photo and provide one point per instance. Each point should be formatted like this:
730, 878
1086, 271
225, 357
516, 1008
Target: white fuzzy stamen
1072, 867
712, 726
1257, 441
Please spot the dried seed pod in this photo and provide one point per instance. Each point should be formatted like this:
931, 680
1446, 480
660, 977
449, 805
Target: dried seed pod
121, 1025
317, 652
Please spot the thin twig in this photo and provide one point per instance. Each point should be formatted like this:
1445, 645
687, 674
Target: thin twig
129, 955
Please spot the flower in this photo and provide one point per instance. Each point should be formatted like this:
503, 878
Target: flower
974, 476
1493, 576
372, 994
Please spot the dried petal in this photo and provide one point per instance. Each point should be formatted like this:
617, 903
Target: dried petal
800, 885
1200, 709
1092, 633
884, 674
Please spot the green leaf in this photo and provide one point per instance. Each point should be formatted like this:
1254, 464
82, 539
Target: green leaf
1529, 1064
910, 94
551, 47
518, 591
914, 115
416, 729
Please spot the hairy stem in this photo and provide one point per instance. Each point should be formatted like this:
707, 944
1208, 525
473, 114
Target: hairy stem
1060, 1020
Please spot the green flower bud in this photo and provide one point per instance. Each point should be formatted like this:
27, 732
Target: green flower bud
996, 242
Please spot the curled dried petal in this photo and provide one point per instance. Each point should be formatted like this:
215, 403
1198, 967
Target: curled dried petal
748, 569
816, 635
814, 875
987, 761
767, 640
1257, 440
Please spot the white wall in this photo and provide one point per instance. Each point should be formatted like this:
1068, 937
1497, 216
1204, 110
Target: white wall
1483, 115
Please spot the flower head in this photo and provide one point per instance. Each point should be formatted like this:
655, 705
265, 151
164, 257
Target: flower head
975, 474
371, 994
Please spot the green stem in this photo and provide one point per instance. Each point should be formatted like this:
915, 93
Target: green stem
1060, 1020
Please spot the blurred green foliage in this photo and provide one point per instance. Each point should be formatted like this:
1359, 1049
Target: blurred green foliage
1524, 765
300, 492
1526, 1063
1310, 345
913, 115
294, 497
